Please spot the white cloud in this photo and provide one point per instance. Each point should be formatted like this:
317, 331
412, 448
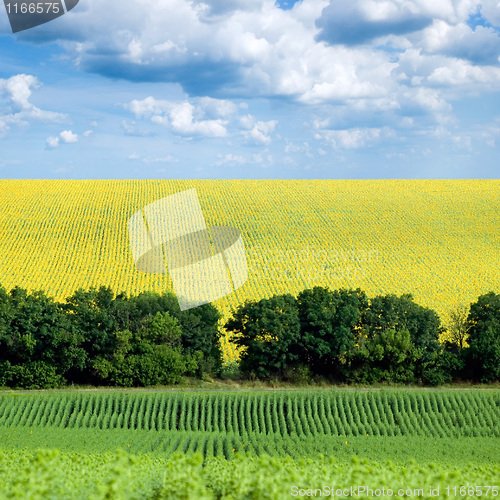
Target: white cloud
68, 137
65, 137
353, 138
404, 63
185, 118
257, 131
20, 111
52, 142
491, 11
230, 159
459, 72
205, 116
480, 45
252, 48
183, 122
150, 160
292, 147
262, 159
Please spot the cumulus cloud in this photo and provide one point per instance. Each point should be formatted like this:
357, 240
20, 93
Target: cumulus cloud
491, 11
210, 10
184, 118
460, 72
65, 137
52, 142
68, 137
202, 117
257, 131
17, 91
480, 45
353, 22
247, 49
390, 58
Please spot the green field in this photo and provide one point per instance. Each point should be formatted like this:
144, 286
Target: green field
246, 444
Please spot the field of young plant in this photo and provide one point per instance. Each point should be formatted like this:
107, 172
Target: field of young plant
436, 239
247, 444
50, 474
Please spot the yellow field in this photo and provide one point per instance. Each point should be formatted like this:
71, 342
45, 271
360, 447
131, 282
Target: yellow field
439, 240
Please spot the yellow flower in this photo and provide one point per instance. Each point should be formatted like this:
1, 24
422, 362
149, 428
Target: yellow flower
59, 241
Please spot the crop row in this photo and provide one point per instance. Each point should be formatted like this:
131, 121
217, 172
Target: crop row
302, 414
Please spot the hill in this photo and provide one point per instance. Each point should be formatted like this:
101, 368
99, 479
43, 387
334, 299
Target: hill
436, 239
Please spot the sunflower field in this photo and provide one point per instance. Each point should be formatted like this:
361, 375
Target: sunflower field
436, 239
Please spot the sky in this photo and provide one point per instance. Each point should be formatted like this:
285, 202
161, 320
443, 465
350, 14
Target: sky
340, 89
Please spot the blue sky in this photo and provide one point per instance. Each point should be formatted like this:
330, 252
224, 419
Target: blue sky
254, 89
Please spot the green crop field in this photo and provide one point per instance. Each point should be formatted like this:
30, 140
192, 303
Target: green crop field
247, 444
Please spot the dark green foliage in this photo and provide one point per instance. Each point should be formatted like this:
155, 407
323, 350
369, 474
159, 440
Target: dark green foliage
6, 312
201, 333
97, 337
151, 356
328, 322
37, 341
390, 312
200, 329
31, 375
105, 318
484, 338
389, 356
96, 314
342, 334
448, 365
269, 331
401, 313
102, 338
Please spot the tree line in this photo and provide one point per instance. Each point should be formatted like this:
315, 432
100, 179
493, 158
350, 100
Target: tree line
98, 337
342, 335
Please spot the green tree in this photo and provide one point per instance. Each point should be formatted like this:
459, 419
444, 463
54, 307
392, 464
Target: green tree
151, 356
36, 338
402, 313
201, 333
200, 326
329, 321
389, 356
93, 313
484, 338
268, 330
